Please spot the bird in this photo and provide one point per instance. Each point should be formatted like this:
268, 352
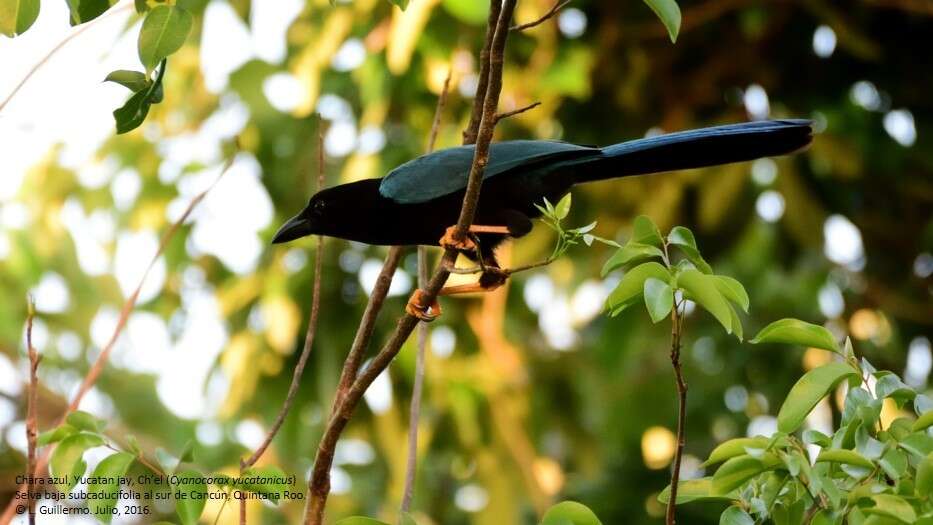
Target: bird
418, 202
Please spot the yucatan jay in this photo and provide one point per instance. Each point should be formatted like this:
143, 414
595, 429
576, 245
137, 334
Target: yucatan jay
417, 202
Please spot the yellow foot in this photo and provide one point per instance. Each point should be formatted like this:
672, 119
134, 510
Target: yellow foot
417, 308
448, 241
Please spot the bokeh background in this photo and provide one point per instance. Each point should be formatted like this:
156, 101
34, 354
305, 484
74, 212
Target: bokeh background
531, 396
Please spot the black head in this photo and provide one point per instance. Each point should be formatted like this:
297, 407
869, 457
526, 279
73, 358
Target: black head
340, 211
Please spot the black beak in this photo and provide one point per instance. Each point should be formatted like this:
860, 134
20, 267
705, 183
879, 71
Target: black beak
295, 228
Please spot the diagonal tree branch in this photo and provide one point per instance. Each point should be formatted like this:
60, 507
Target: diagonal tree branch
319, 484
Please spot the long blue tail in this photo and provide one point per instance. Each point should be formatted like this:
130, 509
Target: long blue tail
699, 148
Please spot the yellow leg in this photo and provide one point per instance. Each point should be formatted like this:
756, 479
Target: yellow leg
430, 312
449, 241
417, 308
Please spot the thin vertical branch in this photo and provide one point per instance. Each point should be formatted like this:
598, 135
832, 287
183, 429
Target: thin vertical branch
411, 465
482, 83
319, 484
677, 326
32, 422
309, 336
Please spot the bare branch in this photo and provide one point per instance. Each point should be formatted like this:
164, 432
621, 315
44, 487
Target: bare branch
309, 337
677, 326
507, 114
32, 422
411, 463
319, 485
553, 11
476, 114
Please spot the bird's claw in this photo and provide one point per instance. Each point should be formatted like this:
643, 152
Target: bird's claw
450, 241
417, 308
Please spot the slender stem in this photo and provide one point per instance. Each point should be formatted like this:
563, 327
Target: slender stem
677, 326
309, 338
553, 11
476, 114
514, 112
32, 423
319, 484
411, 464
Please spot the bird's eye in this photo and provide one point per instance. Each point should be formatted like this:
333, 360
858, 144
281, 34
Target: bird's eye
318, 207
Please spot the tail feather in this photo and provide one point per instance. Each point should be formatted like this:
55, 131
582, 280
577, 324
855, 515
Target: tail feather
699, 148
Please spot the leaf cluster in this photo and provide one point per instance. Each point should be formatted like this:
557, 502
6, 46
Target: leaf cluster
82, 431
866, 472
651, 276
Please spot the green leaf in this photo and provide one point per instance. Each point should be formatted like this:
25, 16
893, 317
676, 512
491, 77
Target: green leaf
406, 519
923, 422
848, 457
133, 113
669, 13
84, 421
16, 16
732, 290
132, 80
891, 506
133, 444
141, 6
894, 463
797, 332
684, 240
659, 298
703, 290
164, 31
273, 490
632, 252
56, 434
86, 10
570, 513
695, 490
645, 231
402, 4
735, 516
563, 207
632, 285
360, 520
736, 471
815, 437
734, 447
919, 444
924, 481
106, 484
189, 509
737, 328
66, 458
807, 392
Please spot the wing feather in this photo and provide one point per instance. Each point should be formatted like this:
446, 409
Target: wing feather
446, 171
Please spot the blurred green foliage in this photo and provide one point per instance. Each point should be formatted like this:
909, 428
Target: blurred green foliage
516, 418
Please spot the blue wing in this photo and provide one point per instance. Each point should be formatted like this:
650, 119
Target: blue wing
447, 171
